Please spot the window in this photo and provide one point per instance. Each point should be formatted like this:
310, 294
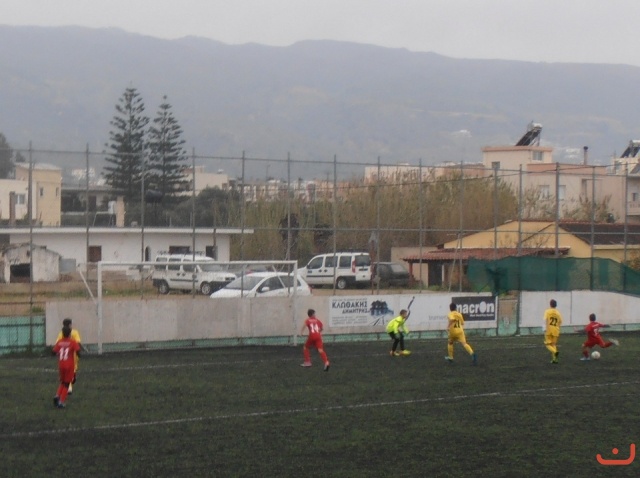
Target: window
21, 198
41, 191
634, 197
345, 262
273, 283
537, 156
544, 192
211, 251
363, 260
315, 263
330, 261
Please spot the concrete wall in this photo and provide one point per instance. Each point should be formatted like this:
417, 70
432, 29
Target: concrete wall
575, 307
201, 318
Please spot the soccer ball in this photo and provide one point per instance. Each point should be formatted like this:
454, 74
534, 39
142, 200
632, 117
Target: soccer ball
595, 355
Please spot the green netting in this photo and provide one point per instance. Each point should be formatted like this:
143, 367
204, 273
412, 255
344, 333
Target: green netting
543, 273
21, 334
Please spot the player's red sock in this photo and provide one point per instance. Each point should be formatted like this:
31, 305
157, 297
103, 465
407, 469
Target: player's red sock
63, 393
323, 356
307, 355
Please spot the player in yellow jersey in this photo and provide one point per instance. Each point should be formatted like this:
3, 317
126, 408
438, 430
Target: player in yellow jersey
456, 334
75, 335
552, 323
397, 329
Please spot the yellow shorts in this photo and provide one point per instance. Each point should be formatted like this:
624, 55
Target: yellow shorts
550, 339
457, 337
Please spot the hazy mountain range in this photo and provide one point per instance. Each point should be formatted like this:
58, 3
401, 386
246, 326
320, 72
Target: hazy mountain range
312, 100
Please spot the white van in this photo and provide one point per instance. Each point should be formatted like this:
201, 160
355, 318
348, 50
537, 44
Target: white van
183, 272
347, 269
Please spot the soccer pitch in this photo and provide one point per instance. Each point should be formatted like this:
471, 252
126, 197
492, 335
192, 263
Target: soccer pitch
254, 412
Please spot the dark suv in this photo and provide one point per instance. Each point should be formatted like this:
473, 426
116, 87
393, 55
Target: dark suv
390, 274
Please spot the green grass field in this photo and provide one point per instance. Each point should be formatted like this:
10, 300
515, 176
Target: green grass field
254, 412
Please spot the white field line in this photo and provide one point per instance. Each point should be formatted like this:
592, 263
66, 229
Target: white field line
178, 421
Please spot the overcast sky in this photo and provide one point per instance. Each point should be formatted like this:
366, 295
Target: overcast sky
577, 31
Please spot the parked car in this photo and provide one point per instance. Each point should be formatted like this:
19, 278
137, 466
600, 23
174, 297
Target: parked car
182, 272
263, 284
390, 274
348, 269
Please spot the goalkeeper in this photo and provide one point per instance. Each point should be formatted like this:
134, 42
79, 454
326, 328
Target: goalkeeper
397, 329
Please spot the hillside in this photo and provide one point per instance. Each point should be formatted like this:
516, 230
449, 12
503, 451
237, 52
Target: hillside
313, 100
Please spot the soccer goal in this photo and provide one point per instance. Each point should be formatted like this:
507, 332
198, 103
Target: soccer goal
146, 304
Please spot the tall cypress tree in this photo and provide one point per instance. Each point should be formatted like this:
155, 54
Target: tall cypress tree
6, 164
167, 157
127, 144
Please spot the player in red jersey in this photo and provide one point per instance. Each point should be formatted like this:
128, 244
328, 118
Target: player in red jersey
66, 348
594, 338
314, 325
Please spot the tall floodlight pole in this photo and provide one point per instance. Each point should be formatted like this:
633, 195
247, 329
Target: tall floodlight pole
335, 216
288, 254
86, 205
30, 216
142, 163
377, 234
593, 220
193, 219
461, 224
520, 211
421, 222
557, 212
193, 202
626, 223
496, 166
242, 210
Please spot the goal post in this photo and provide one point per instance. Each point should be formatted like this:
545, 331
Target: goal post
169, 280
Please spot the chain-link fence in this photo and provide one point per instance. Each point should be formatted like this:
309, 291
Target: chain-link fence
296, 209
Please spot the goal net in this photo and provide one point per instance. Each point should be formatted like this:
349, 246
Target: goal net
182, 300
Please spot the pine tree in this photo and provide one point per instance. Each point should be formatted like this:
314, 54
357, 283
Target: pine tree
167, 157
127, 144
6, 165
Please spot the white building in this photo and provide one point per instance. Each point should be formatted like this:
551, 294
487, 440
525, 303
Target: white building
15, 264
117, 244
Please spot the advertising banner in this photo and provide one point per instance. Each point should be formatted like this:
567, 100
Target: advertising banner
476, 307
428, 311
365, 311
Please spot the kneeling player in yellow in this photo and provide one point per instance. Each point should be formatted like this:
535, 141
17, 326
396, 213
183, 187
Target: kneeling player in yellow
456, 334
397, 329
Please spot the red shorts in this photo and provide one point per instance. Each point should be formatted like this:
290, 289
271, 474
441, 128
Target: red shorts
314, 341
593, 341
66, 374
